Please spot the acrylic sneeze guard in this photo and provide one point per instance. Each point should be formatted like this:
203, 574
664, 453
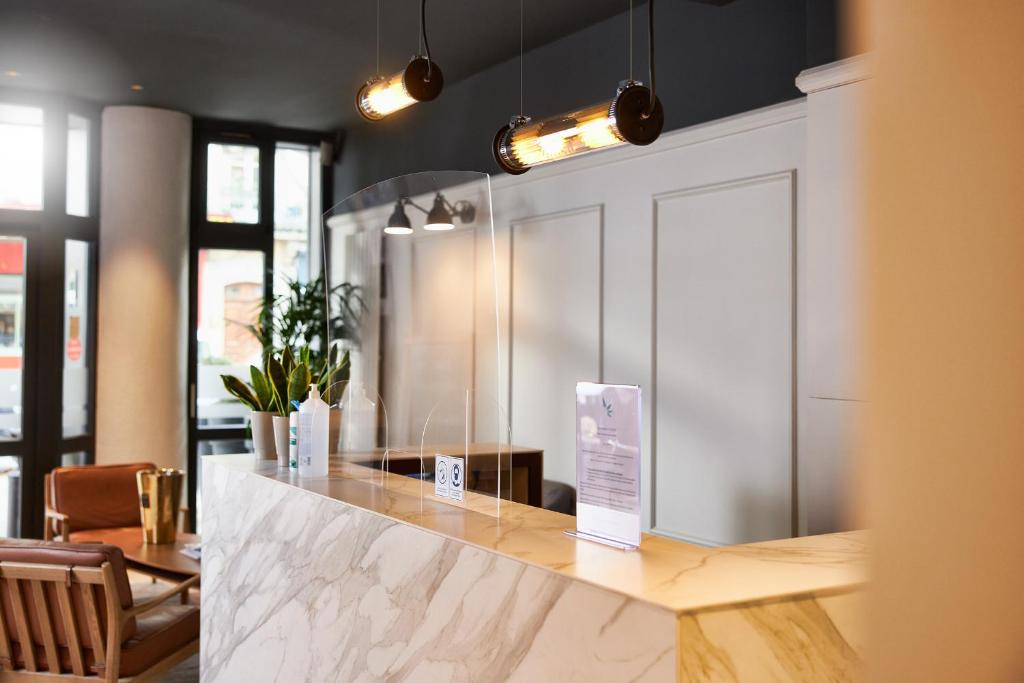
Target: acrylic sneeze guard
418, 315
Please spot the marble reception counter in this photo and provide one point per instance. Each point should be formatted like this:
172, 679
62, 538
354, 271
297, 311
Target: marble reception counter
366, 576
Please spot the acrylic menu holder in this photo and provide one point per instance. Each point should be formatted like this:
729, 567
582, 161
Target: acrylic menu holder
608, 429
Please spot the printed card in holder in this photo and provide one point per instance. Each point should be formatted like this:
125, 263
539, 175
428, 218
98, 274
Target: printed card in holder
608, 464
441, 475
456, 478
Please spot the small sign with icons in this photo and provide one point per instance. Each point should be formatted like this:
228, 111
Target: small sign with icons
456, 478
441, 475
449, 477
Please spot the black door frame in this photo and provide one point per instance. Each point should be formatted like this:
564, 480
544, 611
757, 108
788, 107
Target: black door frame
45, 232
204, 234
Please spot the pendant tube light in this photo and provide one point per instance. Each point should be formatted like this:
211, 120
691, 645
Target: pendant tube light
420, 81
633, 115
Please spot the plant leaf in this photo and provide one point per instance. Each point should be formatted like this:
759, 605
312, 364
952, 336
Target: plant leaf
288, 358
278, 384
298, 383
241, 391
261, 386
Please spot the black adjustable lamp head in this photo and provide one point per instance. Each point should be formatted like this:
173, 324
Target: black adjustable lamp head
398, 223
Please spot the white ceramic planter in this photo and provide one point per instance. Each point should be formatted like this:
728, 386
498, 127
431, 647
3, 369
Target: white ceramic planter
281, 440
263, 435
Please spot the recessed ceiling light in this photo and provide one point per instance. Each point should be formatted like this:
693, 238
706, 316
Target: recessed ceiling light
135, 87
12, 73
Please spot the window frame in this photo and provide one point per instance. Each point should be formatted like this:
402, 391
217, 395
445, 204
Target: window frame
205, 234
45, 231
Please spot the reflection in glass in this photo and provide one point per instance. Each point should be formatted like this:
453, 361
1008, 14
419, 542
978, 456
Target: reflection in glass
77, 200
77, 315
230, 293
21, 157
232, 183
426, 350
296, 207
12, 334
75, 458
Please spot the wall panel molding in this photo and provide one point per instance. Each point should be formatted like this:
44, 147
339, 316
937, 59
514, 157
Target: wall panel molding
777, 435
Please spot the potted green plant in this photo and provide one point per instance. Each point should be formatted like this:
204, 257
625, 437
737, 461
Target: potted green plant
258, 396
308, 319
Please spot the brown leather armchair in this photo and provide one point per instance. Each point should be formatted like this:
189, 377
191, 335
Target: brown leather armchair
67, 610
91, 497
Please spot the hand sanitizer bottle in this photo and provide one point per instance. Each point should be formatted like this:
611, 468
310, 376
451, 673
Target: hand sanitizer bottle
293, 439
314, 425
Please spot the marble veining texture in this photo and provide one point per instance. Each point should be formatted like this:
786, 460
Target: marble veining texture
299, 587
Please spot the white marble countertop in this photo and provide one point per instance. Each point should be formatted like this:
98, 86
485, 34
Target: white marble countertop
674, 575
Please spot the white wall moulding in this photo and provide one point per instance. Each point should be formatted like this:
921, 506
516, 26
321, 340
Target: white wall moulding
142, 325
724, 359
555, 318
835, 139
835, 74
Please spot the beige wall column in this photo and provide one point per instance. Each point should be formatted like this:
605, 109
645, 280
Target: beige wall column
945, 286
142, 320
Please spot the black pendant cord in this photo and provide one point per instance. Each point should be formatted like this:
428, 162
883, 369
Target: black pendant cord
423, 35
650, 59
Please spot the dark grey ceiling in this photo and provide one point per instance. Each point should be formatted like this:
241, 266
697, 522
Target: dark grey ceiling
290, 63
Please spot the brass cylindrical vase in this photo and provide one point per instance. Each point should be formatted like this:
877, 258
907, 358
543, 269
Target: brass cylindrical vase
159, 502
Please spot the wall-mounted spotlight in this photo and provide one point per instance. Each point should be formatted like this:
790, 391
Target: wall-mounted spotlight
633, 115
441, 216
420, 81
399, 223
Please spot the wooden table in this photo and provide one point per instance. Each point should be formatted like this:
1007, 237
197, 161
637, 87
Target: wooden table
163, 560
526, 482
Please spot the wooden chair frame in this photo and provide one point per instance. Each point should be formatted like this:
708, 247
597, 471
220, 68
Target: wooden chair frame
66, 579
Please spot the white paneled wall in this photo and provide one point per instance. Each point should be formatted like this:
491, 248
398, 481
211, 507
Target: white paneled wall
713, 268
704, 322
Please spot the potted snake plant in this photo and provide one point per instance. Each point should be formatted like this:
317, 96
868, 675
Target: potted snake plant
258, 396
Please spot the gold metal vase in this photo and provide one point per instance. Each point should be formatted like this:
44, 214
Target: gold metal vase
159, 502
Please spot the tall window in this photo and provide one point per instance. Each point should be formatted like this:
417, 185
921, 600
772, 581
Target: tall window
297, 209
21, 163
257, 197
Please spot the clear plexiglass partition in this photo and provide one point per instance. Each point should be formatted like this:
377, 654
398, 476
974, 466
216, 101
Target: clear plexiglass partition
413, 300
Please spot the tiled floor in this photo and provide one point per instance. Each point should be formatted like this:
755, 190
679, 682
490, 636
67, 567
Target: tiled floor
186, 672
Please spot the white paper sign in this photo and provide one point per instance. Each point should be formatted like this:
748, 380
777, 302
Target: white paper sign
608, 463
441, 470
456, 477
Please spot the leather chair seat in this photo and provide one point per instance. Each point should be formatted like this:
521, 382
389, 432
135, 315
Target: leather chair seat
76, 536
159, 633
